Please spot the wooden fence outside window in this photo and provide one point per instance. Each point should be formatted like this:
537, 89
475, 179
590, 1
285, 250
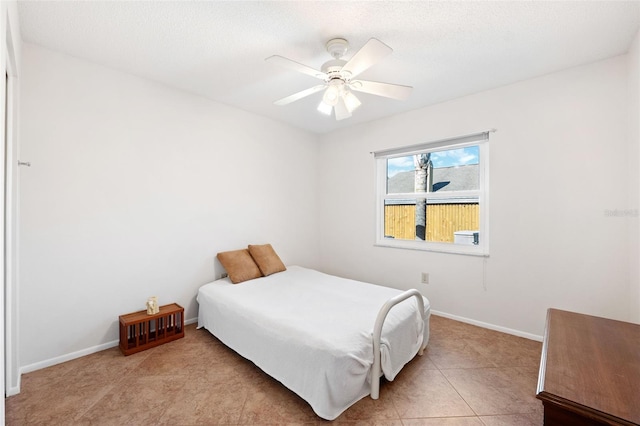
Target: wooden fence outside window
442, 221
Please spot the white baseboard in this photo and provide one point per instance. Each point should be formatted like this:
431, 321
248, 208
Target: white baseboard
68, 357
489, 326
14, 390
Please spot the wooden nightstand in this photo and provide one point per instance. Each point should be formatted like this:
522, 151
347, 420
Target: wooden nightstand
140, 331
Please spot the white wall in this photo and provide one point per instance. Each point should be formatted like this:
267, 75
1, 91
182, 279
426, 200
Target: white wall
557, 162
634, 180
133, 189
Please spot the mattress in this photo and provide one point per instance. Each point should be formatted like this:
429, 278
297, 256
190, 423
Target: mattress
312, 332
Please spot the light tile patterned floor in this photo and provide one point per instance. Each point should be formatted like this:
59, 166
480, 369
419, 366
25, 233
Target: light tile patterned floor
468, 376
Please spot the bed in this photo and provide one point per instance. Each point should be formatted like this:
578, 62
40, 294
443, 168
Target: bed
313, 332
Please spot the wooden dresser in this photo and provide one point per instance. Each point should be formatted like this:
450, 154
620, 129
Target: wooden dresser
590, 371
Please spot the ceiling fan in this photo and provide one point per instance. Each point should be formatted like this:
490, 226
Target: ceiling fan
339, 78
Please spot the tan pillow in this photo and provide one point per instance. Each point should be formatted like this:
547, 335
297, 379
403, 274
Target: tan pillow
239, 265
267, 259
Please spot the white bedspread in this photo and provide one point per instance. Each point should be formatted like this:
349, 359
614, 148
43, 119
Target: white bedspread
312, 332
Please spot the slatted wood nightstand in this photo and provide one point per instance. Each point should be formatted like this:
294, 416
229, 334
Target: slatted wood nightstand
140, 331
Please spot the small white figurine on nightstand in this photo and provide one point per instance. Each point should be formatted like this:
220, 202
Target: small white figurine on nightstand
152, 306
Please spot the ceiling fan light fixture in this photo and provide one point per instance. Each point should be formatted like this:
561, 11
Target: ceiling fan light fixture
351, 101
331, 95
325, 108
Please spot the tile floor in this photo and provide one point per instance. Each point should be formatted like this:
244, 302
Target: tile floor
468, 376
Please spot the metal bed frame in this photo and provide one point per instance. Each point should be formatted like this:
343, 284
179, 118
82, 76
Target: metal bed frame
377, 332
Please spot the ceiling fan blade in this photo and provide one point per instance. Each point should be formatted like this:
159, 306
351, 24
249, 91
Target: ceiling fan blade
296, 66
341, 110
388, 90
373, 51
299, 95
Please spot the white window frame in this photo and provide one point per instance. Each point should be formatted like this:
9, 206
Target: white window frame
479, 139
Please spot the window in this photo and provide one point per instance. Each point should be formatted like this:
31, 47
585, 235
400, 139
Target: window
434, 196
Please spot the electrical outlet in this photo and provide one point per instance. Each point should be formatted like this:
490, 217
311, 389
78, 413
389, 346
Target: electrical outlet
425, 278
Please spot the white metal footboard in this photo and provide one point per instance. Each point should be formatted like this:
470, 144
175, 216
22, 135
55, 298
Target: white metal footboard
377, 332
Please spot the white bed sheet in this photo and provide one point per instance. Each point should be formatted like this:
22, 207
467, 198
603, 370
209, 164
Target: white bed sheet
312, 332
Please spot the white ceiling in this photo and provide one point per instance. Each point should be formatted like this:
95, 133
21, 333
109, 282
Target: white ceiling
443, 49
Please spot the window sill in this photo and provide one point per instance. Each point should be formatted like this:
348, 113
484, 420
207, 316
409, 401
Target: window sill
462, 249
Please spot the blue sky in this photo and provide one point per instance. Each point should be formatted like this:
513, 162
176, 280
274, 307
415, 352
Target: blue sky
449, 158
